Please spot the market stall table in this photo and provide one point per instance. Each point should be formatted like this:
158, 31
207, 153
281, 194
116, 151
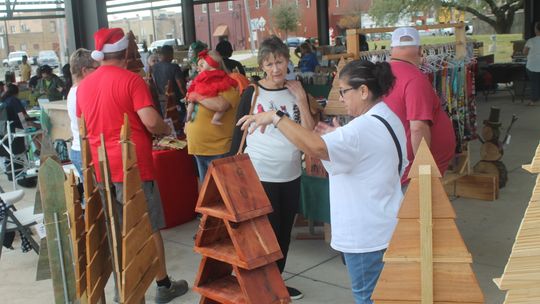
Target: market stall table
175, 174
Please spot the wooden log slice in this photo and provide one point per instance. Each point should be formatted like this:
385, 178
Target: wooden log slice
490, 152
493, 168
490, 134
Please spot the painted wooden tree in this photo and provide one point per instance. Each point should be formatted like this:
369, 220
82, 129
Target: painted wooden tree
334, 106
171, 111
236, 239
427, 260
521, 277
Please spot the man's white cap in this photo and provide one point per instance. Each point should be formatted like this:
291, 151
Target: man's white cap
410, 32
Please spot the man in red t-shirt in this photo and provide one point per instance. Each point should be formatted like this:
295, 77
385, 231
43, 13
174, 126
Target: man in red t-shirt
415, 102
103, 98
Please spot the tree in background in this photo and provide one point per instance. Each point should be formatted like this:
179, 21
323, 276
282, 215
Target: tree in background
503, 11
286, 16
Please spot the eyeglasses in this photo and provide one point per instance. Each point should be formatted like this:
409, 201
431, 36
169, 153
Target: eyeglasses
343, 91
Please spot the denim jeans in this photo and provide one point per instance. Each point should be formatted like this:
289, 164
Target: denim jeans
76, 159
364, 270
534, 78
203, 162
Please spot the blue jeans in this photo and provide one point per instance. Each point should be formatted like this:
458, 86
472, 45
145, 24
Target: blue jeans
364, 270
203, 162
534, 78
76, 159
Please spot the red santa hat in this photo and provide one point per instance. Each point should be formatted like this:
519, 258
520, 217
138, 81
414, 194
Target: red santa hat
109, 40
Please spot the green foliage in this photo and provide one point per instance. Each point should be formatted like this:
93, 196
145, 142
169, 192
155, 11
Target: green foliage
286, 16
387, 12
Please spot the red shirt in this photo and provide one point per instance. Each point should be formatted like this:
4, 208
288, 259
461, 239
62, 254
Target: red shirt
413, 98
103, 97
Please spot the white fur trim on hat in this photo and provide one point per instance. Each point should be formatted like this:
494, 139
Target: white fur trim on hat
97, 55
119, 45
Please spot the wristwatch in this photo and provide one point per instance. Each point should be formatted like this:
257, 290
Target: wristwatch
277, 118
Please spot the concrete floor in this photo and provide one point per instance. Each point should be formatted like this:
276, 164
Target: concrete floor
488, 228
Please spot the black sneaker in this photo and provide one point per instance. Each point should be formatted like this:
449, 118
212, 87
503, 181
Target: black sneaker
295, 293
165, 295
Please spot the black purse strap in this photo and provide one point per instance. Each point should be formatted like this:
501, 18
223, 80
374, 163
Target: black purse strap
394, 137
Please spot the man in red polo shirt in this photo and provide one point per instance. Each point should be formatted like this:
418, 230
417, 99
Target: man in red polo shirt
415, 102
103, 98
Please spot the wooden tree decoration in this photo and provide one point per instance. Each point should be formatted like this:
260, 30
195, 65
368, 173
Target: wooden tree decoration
427, 260
98, 254
171, 110
139, 255
334, 106
235, 236
133, 57
521, 277
78, 234
51, 186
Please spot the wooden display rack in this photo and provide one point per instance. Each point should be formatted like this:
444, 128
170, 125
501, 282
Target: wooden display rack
427, 260
521, 277
236, 236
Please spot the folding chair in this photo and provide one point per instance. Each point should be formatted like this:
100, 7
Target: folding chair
18, 220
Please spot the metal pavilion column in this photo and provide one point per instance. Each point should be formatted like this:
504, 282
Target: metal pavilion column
188, 15
83, 19
532, 15
322, 22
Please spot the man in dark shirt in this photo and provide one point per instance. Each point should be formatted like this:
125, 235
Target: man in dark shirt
165, 71
224, 48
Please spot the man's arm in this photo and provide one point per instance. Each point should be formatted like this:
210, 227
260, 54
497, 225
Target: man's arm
419, 129
153, 121
216, 104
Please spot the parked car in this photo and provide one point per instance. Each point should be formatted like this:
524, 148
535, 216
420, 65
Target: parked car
14, 59
160, 43
294, 41
49, 58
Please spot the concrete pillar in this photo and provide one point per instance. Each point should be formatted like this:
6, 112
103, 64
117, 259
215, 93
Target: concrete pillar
83, 19
322, 22
188, 15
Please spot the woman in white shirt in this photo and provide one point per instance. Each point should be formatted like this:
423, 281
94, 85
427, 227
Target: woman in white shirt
532, 50
364, 160
81, 65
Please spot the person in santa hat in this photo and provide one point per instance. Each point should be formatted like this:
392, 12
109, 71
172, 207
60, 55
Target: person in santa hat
103, 98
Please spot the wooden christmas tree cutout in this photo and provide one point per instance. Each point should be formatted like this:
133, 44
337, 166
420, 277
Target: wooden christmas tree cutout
236, 240
133, 58
171, 110
98, 261
426, 260
334, 106
139, 259
229, 181
534, 166
521, 276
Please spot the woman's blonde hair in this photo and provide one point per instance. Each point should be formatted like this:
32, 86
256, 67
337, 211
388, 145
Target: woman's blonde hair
80, 59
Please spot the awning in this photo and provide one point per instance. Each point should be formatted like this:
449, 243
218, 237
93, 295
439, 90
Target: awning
221, 30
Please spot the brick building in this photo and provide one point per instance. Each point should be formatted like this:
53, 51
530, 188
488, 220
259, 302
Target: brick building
31, 36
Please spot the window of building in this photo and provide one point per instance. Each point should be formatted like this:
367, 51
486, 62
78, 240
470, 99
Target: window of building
230, 5
204, 8
257, 4
52, 25
308, 3
216, 6
270, 4
36, 46
13, 28
297, 4
23, 47
337, 3
2, 30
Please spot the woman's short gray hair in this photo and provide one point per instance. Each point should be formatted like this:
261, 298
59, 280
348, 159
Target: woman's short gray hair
80, 59
272, 45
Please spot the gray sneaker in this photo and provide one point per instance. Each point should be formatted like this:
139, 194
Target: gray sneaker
165, 295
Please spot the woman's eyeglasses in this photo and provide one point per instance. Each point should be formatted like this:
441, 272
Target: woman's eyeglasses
343, 91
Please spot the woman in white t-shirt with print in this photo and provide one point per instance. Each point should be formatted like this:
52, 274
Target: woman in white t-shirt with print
81, 65
532, 50
363, 164
276, 160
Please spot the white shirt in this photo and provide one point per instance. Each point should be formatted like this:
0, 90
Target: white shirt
72, 110
533, 58
274, 157
365, 188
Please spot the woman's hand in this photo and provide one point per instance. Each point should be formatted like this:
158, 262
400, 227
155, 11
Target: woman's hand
298, 91
322, 128
255, 121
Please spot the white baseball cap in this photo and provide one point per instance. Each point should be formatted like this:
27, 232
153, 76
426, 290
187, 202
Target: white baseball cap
409, 32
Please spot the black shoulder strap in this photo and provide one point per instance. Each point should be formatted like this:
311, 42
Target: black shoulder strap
394, 137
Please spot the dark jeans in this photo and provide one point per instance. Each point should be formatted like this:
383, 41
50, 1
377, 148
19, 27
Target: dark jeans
534, 78
285, 198
203, 162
